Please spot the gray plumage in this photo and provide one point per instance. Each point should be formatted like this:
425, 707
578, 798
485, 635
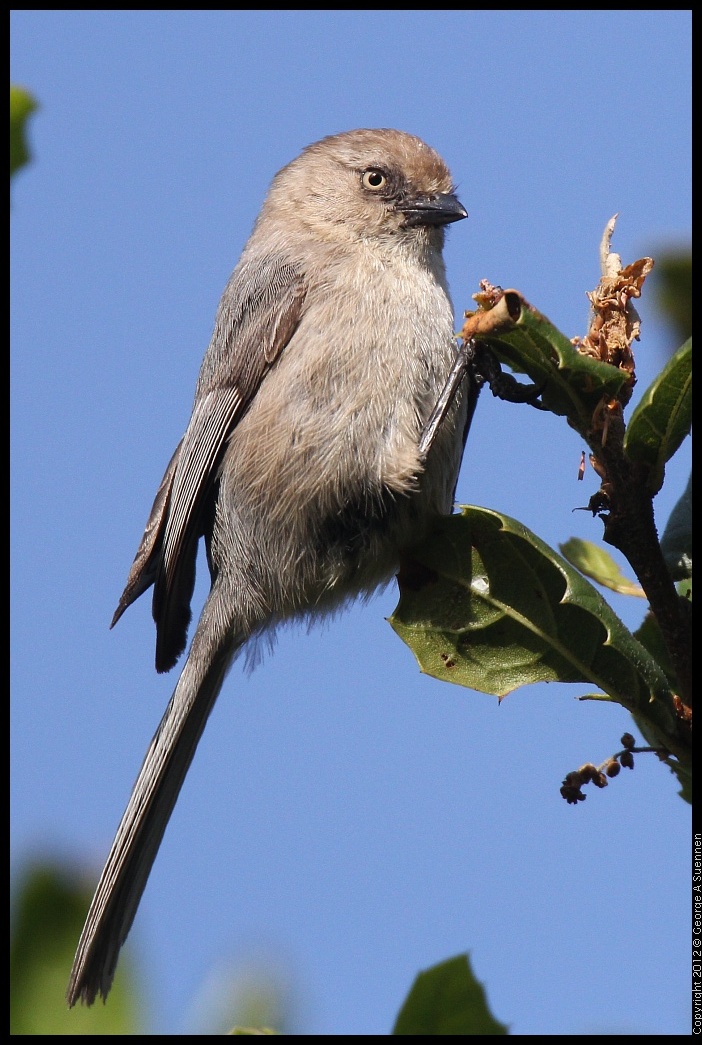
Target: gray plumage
300, 464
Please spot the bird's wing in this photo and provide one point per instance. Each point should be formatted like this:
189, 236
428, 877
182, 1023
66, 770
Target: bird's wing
258, 314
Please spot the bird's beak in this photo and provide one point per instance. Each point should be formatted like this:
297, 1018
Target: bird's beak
441, 208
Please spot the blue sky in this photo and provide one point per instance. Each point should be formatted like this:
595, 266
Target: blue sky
347, 821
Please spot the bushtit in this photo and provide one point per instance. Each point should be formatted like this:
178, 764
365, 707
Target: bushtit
300, 465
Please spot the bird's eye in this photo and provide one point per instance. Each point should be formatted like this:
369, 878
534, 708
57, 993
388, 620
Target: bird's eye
373, 180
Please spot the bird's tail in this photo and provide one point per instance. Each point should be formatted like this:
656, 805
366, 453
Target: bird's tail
142, 827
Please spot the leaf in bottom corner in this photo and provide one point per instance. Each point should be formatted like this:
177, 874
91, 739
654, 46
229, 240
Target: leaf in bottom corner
447, 999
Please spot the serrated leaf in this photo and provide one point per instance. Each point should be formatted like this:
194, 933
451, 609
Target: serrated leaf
447, 999
685, 791
598, 564
572, 383
487, 605
663, 417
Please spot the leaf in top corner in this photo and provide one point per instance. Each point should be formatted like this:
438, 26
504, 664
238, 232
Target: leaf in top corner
22, 105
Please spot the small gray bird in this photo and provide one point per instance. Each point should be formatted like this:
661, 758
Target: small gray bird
300, 465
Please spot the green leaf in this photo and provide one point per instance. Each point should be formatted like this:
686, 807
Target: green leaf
649, 635
663, 417
676, 542
447, 999
572, 383
598, 564
22, 105
49, 909
486, 604
685, 791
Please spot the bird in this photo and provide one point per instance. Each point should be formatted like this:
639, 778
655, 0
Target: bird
300, 466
